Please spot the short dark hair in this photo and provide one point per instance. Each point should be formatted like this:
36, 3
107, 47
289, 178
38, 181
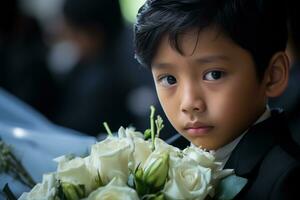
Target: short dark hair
258, 26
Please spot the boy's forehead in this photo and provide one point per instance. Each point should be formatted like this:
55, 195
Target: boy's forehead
203, 46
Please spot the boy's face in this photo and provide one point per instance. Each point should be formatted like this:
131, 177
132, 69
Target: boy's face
211, 93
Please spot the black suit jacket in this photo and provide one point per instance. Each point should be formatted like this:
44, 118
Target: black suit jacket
268, 157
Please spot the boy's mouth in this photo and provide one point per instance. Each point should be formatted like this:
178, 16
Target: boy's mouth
197, 129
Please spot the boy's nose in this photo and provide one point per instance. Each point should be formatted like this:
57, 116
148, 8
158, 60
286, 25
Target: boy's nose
192, 100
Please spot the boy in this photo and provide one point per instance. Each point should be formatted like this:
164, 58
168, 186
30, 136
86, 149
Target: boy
215, 63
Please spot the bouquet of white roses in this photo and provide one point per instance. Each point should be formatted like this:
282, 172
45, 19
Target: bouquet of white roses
133, 166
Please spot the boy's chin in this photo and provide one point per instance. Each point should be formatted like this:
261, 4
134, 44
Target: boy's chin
204, 146
208, 145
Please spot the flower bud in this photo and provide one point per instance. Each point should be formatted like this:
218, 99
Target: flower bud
156, 172
147, 134
141, 188
161, 196
158, 196
73, 192
139, 173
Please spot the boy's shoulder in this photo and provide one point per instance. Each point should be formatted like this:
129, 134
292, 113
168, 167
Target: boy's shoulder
270, 138
269, 158
272, 177
277, 132
278, 161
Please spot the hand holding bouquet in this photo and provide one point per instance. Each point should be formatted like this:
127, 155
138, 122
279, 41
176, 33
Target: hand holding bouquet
136, 166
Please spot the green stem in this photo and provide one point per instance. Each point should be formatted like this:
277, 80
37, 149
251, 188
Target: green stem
8, 193
152, 126
22, 172
11, 165
107, 129
22, 176
158, 132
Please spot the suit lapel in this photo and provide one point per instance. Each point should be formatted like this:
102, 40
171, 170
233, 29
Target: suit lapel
256, 144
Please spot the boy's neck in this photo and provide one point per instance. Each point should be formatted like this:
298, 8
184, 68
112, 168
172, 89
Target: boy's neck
264, 116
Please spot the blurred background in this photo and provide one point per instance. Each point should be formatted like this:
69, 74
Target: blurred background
73, 61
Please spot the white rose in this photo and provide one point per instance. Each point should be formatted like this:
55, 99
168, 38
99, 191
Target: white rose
161, 145
207, 159
129, 133
188, 180
42, 191
111, 158
76, 172
203, 158
142, 147
175, 154
142, 151
116, 190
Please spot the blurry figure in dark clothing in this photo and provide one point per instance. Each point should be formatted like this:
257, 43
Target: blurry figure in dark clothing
23, 68
96, 88
290, 100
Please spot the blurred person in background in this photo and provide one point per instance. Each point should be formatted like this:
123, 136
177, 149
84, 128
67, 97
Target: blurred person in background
96, 87
23, 66
290, 100
91, 59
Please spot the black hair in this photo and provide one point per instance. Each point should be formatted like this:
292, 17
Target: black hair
259, 26
103, 15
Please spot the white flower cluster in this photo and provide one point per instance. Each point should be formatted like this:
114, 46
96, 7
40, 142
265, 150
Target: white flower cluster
127, 167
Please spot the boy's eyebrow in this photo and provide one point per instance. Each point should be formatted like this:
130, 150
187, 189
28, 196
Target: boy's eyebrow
202, 60
211, 58
161, 65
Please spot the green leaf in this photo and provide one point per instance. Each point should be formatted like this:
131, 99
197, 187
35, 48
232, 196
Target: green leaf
229, 187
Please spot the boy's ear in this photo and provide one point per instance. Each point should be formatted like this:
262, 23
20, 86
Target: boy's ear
277, 75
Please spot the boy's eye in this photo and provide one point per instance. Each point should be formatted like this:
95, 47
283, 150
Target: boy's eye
167, 80
213, 75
